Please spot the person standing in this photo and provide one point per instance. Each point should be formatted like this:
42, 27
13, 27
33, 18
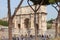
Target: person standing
21, 37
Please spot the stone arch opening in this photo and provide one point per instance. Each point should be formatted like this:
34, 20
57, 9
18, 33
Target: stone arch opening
37, 27
26, 22
19, 26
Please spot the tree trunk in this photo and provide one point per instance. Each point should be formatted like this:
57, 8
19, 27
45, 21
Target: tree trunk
36, 34
10, 29
57, 24
9, 21
56, 32
10, 18
36, 37
59, 20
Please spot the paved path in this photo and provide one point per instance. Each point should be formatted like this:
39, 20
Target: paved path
50, 31
33, 38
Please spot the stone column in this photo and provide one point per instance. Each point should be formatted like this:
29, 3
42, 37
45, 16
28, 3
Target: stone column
41, 16
16, 30
32, 25
40, 19
44, 24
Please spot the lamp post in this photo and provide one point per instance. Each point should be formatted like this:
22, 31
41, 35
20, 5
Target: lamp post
36, 3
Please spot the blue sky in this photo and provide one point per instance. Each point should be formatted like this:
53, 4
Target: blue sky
52, 13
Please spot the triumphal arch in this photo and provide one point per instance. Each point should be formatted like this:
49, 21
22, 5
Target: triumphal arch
25, 16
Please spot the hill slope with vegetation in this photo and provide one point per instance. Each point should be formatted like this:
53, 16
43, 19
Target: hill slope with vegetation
49, 24
3, 23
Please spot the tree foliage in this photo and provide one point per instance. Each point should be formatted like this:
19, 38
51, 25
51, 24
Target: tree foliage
50, 21
51, 1
49, 24
46, 2
54, 1
3, 23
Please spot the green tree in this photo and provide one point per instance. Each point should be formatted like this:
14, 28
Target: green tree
56, 5
37, 2
3, 23
10, 17
49, 23
45, 2
52, 2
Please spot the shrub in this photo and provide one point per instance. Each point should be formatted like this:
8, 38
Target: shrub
3, 23
49, 25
